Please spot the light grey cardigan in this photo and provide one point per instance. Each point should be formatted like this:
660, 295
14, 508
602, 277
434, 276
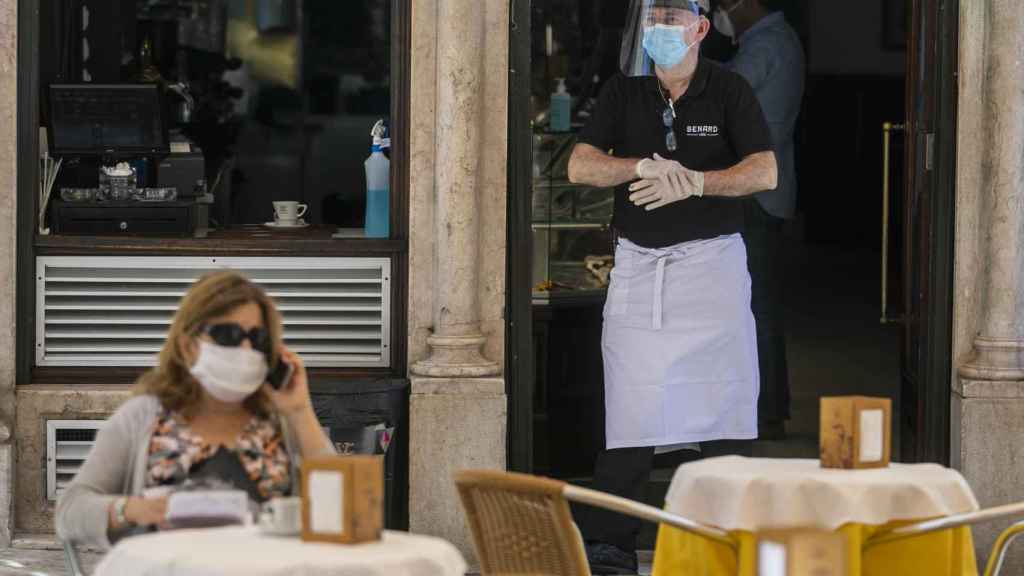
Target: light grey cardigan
116, 467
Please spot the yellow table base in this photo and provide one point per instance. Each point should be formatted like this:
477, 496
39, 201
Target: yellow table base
947, 553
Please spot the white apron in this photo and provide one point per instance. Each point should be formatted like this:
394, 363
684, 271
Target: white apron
679, 345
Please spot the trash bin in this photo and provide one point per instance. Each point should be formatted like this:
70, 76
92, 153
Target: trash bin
370, 417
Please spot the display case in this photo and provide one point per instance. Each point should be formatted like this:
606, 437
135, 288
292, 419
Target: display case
572, 239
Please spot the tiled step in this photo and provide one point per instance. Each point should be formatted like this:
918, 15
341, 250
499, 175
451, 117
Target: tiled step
39, 554
25, 541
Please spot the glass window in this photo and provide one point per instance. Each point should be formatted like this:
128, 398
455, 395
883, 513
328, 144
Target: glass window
264, 100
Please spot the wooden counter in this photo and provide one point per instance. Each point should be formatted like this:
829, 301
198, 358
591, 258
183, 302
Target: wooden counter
249, 240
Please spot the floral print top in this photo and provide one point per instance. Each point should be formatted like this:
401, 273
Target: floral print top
175, 451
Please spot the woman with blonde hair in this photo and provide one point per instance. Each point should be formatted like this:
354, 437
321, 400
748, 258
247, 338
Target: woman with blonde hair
204, 416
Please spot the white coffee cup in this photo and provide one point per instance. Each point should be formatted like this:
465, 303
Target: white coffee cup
288, 213
282, 515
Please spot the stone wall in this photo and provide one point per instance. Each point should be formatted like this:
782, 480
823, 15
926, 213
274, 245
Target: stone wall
8, 209
459, 150
455, 424
988, 342
36, 405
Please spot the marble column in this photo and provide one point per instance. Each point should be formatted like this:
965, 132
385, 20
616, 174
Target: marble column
999, 348
455, 345
8, 259
987, 419
457, 407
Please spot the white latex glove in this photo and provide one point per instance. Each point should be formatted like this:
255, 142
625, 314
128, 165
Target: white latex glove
655, 168
671, 182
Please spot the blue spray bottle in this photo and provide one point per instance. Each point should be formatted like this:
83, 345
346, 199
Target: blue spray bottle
561, 108
378, 186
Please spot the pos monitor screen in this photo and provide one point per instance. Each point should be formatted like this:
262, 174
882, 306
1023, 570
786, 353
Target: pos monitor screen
88, 119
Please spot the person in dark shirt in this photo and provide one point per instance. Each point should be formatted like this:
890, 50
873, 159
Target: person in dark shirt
771, 59
683, 140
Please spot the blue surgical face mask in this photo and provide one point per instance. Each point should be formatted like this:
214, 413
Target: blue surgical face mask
666, 45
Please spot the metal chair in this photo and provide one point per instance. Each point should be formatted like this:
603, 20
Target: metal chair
521, 524
71, 560
995, 560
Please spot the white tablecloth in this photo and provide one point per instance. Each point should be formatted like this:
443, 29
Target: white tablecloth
244, 551
736, 493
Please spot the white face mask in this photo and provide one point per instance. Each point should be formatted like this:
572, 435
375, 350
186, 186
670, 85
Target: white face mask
229, 374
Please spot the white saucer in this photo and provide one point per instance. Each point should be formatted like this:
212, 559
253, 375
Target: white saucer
271, 531
279, 226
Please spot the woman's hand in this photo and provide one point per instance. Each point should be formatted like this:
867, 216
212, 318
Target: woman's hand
145, 511
293, 398
293, 402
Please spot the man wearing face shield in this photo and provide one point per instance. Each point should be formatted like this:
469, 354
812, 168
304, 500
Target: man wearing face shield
683, 140
771, 59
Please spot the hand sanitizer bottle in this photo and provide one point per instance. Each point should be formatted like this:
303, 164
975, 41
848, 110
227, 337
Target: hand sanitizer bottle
378, 186
561, 108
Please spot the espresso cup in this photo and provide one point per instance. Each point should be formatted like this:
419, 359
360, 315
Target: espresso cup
282, 515
288, 213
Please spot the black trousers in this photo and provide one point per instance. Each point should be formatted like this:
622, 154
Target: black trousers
763, 237
624, 472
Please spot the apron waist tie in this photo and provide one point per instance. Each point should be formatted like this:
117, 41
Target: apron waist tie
659, 289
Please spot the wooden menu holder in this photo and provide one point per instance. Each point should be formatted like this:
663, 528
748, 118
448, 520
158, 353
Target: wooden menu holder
343, 499
856, 432
801, 553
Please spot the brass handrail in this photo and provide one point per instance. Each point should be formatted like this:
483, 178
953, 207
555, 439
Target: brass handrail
887, 129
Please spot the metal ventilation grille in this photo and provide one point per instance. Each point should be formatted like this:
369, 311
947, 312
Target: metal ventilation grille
68, 442
115, 311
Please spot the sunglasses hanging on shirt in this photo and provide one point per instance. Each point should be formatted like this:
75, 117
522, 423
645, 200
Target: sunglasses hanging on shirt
668, 118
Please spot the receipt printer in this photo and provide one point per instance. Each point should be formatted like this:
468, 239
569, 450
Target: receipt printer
183, 169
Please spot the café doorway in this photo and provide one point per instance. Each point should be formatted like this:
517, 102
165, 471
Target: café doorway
851, 246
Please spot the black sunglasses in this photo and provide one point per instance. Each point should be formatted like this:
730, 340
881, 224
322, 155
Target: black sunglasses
231, 335
668, 118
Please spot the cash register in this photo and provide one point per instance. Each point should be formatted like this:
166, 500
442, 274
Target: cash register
123, 173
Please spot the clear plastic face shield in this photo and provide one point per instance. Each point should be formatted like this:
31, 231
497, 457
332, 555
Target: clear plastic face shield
659, 33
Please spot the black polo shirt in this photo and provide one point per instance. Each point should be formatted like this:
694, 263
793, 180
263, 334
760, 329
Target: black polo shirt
718, 123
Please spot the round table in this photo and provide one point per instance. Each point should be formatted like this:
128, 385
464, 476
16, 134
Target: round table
745, 496
245, 551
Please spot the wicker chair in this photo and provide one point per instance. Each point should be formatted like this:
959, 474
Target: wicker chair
521, 524
995, 559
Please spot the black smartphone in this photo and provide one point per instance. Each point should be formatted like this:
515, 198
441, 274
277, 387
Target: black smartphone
280, 375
